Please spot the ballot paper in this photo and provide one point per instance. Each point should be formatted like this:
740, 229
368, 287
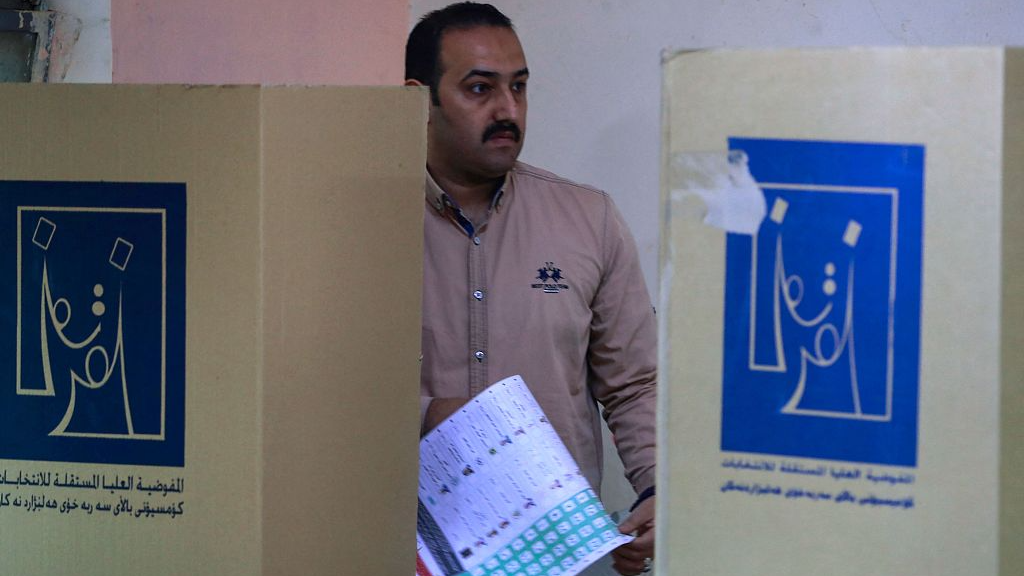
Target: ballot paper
500, 495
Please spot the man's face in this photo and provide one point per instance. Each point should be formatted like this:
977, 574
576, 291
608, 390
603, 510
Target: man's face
477, 130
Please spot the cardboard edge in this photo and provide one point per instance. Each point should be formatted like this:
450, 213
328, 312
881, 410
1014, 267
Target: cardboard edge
1011, 464
260, 387
664, 504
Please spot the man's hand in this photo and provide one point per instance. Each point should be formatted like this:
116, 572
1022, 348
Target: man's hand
439, 409
628, 559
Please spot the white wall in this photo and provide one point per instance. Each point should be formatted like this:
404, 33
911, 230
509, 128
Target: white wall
595, 84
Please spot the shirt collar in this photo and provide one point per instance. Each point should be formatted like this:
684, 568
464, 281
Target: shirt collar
439, 199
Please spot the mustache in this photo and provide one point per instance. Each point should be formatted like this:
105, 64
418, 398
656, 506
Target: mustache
497, 127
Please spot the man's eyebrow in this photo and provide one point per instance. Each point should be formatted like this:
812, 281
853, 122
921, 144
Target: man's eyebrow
493, 74
478, 72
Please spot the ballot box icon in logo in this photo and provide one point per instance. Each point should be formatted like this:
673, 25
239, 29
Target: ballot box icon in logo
99, 336
822, 304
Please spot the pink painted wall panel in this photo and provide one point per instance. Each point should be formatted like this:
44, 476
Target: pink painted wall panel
259, 41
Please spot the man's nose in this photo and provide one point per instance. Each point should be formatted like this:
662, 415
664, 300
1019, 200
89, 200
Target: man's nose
507, 104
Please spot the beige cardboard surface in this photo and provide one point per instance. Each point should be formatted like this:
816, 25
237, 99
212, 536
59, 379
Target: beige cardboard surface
951, 101
342, 327
302, 323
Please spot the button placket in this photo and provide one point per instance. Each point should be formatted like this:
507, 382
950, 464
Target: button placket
478, 373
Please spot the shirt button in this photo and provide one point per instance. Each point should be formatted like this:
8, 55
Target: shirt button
478, 295
480, 355
476, 240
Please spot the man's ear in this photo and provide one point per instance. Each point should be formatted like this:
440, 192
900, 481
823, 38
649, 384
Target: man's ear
414, 82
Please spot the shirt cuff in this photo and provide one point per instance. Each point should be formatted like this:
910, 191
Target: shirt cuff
647, 493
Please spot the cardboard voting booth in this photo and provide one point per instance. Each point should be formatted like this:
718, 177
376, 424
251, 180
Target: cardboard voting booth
210, 329
842, 310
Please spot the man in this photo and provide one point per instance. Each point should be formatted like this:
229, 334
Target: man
525, 272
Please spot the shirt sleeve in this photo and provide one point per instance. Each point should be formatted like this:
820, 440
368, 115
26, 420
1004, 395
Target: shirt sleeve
623, 352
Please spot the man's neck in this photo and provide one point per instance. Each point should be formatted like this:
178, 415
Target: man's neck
472, 195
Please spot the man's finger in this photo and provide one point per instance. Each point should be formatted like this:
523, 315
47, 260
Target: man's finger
641, 518
634, 555
643, 541
629, 567
632, 558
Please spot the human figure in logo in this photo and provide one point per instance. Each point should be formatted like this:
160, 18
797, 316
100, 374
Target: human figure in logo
81, 345
526, 272
95, 378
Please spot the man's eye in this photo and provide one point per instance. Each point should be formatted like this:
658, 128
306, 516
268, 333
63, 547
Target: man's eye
519, 87
478, 88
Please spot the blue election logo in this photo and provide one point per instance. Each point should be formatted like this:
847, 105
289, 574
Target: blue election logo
822, 305
92, 322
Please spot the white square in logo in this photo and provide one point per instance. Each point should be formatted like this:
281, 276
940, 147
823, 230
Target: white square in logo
44, 233
121, 253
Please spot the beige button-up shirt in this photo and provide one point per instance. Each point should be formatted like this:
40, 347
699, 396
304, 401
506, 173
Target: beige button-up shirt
549, 287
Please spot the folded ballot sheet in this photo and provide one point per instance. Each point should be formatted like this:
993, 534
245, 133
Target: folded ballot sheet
500, 495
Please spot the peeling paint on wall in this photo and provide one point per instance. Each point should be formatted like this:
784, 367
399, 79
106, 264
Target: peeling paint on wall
64, 33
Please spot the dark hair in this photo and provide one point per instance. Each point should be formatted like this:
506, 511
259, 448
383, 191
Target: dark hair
423, 49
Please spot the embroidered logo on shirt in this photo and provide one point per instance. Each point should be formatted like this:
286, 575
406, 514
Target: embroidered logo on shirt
550, 279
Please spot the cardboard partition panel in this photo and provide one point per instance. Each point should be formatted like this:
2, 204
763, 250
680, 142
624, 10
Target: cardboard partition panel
842, 311
209, 329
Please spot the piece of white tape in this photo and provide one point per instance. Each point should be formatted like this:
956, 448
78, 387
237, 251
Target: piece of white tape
722, 180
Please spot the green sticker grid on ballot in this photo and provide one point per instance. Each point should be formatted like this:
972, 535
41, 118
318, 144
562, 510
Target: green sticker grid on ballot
209, 329
842, 312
